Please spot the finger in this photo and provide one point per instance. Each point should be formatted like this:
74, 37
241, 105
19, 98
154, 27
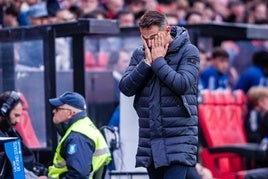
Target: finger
159, 39
166, 46
156, 38
143, 41
162, 40
155, 42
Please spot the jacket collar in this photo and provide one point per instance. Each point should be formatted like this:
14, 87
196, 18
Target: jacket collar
76, 117
180, 37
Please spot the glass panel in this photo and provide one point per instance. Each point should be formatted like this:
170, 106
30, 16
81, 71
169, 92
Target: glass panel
29, 80
106, 59
64, 65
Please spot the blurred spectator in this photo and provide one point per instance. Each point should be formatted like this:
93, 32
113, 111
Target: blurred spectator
65, 15
135, 6
67, 4
208, 14
113, 7
215, 75
125, 18
52, 7
193, 17
151, 5
257, 97
24, 7
255, 75
38, 14
246, 49
138, 16
118, 62
237, 12
258, 13
10, 15
182, 10
167, 6
203, 64
198, 6
203, 59
172, 19
88, 6
98, 13
77, 10
221, 9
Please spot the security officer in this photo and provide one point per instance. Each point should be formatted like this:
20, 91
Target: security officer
82, 149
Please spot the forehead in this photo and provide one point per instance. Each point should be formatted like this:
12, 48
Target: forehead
149, 32
17, 108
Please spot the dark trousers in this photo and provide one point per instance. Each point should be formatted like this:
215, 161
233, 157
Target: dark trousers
173, 172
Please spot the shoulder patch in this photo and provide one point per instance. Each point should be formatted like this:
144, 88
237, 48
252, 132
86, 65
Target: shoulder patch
191, 60
71, 149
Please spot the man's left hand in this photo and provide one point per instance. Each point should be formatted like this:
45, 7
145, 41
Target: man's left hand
159, 47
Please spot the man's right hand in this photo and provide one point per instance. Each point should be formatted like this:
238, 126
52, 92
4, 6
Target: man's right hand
148, 56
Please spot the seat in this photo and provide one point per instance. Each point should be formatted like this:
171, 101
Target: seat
25, 128
227, 155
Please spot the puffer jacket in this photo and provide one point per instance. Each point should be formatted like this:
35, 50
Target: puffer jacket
166, 103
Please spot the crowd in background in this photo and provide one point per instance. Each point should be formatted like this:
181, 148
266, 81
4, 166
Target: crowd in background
15, 13
227, 66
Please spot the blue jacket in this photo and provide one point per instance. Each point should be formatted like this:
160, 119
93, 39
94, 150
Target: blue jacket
166, 103
253, 76
212, 79
77, 162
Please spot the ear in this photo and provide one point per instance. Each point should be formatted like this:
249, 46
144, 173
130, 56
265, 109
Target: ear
168, 30
72, 113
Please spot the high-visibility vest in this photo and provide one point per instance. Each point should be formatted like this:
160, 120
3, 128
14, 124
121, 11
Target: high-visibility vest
101, 156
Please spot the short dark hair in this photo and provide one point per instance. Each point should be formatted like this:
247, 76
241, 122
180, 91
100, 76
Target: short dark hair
151, 18
13, 98
219, 52
167, 2
123, 12
260, 58
11, 10
190, 13
114, 57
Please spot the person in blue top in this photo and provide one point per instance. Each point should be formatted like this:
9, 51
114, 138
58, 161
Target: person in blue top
215, 75
255, 75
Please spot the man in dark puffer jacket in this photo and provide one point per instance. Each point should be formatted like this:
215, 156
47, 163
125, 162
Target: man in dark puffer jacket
163, 76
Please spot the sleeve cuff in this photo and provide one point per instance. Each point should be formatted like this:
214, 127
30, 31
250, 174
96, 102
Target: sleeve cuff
147, 62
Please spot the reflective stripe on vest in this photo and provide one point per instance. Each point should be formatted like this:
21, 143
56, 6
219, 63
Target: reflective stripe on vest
101, 152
